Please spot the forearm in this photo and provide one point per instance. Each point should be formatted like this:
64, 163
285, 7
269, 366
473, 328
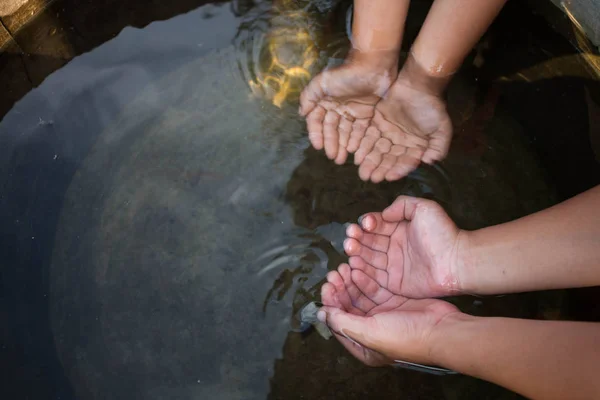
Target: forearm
538, 359
377, 30
450, 31
555, 248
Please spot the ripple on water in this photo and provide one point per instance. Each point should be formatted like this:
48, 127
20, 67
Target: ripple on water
280, 48
292, 266
199, 225
291, 269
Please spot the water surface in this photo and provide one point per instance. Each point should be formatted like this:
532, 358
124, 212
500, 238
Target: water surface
186, 219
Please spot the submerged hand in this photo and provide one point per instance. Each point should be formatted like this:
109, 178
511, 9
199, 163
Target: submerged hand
411, 249
409, 126
339, 103
376, 326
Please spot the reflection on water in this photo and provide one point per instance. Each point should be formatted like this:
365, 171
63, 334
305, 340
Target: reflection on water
280, 50
583, 42
200, 221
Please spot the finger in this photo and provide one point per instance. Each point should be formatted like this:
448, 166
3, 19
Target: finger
378, 275
330, 133
329, 296
353, 327
342, 297
370, 287
367, 143
353, 332
314, 124
369, 164
387, 163
405, 207
373, 159
375, 223
374, 241
399, 171
342, 156
380, 150
439, 144
404, 165
377, 259
344, 129
359, 128
358, 298
311, 95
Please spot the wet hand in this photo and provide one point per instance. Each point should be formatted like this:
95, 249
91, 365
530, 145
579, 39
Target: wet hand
339, 103
409, 125
412, 249
377, 326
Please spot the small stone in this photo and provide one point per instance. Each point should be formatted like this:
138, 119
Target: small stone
308, 315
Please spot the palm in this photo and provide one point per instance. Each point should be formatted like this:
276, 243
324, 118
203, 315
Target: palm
339, 104
409, 249
408, 126
398, 327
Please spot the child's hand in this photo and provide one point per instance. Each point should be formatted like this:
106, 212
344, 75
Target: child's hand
339, 103
410, 125
411, 249
353, 109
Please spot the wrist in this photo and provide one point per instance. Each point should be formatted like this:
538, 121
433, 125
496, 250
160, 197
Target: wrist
463, 266
380, 62
447, 338
414, 75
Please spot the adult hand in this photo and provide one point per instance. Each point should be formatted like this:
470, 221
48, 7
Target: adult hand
411, 249
377, 326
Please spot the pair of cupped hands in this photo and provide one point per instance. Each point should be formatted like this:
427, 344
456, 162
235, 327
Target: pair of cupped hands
391, 121
382, 304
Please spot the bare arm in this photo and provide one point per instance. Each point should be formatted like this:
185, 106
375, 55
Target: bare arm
555, 248
371, 65
538, 359
449, 33
377, 31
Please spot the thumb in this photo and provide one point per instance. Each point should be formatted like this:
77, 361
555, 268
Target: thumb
404, 208
353, 327
310, 96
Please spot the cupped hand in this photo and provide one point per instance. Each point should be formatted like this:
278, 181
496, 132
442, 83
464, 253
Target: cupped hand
377, 326
339, 104
409, 125
411, 249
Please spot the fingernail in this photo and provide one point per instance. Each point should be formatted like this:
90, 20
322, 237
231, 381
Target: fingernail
345, 244
360, 219
322, 316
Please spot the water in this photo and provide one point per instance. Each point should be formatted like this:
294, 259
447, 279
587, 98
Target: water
180, 219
